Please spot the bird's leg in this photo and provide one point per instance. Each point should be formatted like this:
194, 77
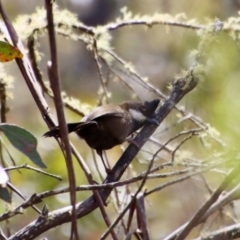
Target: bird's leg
131, 140
108, 170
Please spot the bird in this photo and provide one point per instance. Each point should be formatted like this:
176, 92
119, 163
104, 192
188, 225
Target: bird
111, 124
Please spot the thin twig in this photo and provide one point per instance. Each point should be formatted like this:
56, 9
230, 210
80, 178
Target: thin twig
142, 217
203, 209
26, 166
21, 196
180, 144
103, 83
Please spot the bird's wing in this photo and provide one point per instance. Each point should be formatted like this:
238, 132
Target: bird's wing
74, 127
108, 110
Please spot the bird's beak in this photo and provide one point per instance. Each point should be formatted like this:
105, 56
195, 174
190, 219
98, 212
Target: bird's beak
152, 120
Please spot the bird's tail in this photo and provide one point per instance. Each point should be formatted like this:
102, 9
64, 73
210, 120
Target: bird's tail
55, 132
72, 127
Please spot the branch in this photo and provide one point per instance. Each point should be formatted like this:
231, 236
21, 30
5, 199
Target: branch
203, 209
56, 87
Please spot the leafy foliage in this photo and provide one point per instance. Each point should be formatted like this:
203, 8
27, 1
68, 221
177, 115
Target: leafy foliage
24, 141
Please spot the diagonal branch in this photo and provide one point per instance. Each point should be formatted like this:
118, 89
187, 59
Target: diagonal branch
180, 88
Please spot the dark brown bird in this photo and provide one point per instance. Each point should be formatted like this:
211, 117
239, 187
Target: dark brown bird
110, 125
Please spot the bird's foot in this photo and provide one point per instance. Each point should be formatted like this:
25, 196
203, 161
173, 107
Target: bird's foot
108, 170
131, 141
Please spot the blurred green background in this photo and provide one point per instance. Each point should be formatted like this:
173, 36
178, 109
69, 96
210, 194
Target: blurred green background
159, 53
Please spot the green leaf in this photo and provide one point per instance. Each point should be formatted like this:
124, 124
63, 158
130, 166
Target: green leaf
24, 141
5, 195
8, 52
